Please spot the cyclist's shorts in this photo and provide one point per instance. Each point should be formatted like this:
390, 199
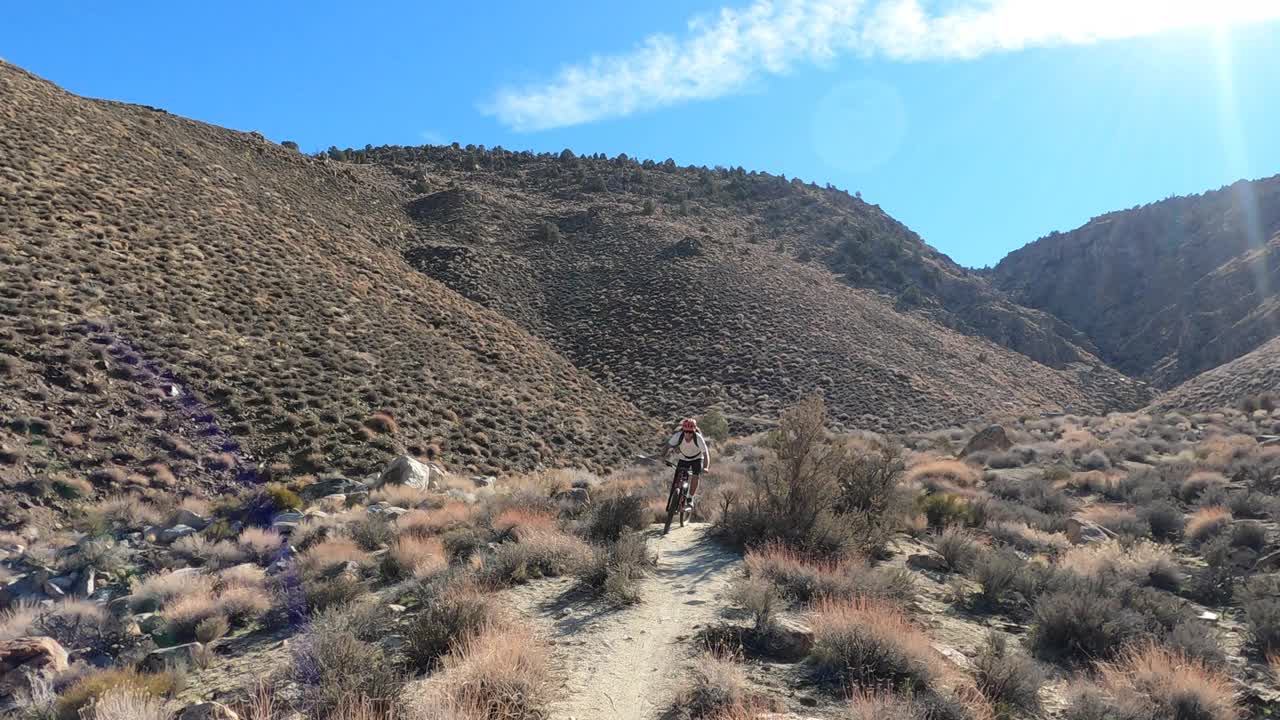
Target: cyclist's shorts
693, 466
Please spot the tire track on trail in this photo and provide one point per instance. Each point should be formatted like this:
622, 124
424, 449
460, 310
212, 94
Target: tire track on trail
628, 663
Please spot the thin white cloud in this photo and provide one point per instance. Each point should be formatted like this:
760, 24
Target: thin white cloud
724, 53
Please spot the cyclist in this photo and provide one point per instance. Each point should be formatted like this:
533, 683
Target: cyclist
693, 455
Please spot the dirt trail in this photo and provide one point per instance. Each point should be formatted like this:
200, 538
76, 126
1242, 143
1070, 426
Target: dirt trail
628, 663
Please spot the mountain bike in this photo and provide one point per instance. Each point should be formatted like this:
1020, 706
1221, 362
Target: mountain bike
678, 498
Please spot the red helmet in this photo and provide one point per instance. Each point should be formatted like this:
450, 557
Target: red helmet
689, 425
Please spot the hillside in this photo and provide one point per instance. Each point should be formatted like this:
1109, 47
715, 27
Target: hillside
183, 303
1167, 290
680, 297
1249, 376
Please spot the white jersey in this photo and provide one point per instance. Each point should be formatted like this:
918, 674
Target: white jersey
694, 448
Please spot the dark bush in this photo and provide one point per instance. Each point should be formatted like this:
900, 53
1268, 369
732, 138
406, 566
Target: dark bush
1082, 623
614, 515
1249, 534
1164, 518
336, 662
615, 570
997, 572
447, 618
1262, 612
1009, 681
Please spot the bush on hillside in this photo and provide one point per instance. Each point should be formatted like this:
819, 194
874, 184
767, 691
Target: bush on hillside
616, 514
337, 662
869, 643
1149, 681
1009, 681
447, 619
1262, 613
714, 425
805, 496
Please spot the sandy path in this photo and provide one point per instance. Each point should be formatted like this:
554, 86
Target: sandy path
628, 663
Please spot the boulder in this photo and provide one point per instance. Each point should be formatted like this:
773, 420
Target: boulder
386, 510
86, 583
175, 533
406, 470
483, 481
208, 711
190, 519
1268, 563
176, 656
285, 522
992, 438
1082, 532
927, 561
25, 658
329, 485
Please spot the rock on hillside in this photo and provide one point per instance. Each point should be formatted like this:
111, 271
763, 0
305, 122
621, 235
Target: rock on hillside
180, 302
1167, 290
1250, 375
680, 305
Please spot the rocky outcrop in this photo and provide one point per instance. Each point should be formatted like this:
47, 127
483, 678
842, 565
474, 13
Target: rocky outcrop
1167, 290
23, 659
992, 438
406, 470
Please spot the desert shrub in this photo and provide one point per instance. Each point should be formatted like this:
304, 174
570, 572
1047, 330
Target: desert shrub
716, 688
212, 629
1164, 519
1249, 534
414, 556
461, 543
615, 569
262, 544
1154, 682
1080, 624
541, 554
371, 532
714, 425
160, 589
329, 555
1261, 603
128, 705
870, 643
331, 590
759, 597
1142, 563
1207, 522
942, 475
1094, 460
616, 514
447, 619
958, 547
820, 496
1196, 640
513, 523
1249, 504
88, 689
1009, 681
500, 673
997, 573
804, 579
1122, 521
1026, 538
943, 510
1199, 482
335, 663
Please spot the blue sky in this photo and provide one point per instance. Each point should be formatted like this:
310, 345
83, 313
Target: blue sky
982, 124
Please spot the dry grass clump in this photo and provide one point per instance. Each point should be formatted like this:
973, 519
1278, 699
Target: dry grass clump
517, 521
416, 556
958, 547
1219, 453
447, 619
404, 496
128, 705
90, 688
1154, 682
236, 605
717, 689
1207, 522
498, 673
328, 554
160, 589
1118, 519
542, 553
942, 474
1198, 483
263, 544
338, 662
870, 643
1008, 680
1026, 538
616, 568
865, 705
17, 620
435, 521
1143, 563
804, 579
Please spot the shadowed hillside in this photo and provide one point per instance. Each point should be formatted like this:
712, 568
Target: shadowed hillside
1253, 375
683, 288
1167, 290
184, 300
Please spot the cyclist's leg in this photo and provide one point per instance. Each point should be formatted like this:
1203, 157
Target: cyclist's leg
695, 474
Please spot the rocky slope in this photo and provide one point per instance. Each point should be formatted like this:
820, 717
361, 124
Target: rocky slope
681, 297
1249, 376
1167, 290
183, 303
